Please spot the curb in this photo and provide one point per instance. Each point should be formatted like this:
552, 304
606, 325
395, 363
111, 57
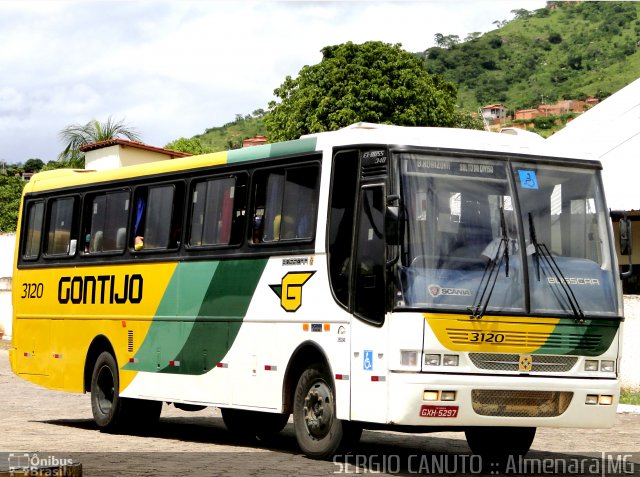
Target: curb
628, 409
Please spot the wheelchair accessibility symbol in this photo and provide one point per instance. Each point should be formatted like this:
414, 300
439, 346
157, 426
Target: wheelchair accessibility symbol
367, 362
528, 179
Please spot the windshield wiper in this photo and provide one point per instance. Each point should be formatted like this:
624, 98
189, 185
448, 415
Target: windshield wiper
505, 241
541, 251
483, 293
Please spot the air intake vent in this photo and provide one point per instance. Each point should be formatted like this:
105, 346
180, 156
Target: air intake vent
130, 341
374, 170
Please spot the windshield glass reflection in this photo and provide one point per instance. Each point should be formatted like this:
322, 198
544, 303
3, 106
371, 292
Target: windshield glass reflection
565, 219
468, 247
461, 236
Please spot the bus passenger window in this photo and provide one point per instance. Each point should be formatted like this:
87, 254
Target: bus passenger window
213, 214
286, 204
108, 217
34, 230
59, 226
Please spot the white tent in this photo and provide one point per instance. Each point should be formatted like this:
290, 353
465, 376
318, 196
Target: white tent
609, 132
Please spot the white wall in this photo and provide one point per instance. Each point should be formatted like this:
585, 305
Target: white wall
609, 132
113, 157
630, 362
7, 247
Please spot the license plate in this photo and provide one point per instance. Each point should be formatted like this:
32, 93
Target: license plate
439, 411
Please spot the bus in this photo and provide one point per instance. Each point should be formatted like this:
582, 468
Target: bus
375, 277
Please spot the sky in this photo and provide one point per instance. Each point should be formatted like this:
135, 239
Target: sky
174, 68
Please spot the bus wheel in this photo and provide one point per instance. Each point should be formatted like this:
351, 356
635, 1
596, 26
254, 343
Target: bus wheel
318, 431
497, 444
250, 424
112, 412
105, 399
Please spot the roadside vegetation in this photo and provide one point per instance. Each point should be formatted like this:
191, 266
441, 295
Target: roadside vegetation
630, 397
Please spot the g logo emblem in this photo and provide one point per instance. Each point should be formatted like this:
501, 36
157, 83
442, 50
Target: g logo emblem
290, 290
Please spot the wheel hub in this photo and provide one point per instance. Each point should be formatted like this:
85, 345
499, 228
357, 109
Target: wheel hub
318, 410
106, 390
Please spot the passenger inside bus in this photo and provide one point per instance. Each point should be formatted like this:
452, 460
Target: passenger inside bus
138, 242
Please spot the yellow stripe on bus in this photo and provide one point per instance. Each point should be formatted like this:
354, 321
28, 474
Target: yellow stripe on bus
71, 306
498, 334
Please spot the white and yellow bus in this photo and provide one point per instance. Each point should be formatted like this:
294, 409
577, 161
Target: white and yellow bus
374, 277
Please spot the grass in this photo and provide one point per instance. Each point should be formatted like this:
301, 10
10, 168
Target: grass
629, 397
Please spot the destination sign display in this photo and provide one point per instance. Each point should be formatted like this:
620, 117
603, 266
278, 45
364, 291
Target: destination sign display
467, 168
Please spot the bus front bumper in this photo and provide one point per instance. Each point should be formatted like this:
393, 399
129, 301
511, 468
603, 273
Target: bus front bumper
429, 399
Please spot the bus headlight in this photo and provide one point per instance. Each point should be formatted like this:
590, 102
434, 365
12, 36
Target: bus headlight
607, 366
430, 395
591, 399
450, 360
591, 365
448, 395
432, 360
605, 400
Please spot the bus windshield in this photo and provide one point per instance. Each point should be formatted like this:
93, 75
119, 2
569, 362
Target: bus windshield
468, 247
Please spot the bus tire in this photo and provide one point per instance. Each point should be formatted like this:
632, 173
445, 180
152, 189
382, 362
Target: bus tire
497, 444
318, 431
106, 404
112, 412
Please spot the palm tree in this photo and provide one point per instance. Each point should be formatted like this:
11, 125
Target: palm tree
77, 135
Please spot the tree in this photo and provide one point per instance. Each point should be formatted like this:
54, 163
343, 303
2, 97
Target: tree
33, 165
467, 120
521, 13
372, 82
190, 146
77, 135
473, 36
555, 38
10, 192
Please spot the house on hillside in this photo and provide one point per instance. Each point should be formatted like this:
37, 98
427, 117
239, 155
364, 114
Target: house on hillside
254, 141
494, 112
561, 107
526, 114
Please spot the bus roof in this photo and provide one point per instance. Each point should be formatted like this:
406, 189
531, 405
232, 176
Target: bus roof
60, 178
356, 134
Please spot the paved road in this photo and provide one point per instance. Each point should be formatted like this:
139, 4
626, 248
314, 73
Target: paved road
58, 425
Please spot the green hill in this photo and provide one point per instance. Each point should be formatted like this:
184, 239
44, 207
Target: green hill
567, 50
231, 135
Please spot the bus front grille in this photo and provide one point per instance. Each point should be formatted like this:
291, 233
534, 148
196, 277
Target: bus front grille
498, 402
541, 363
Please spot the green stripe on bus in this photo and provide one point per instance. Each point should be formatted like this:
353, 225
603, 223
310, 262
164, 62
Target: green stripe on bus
210, 300
591, 338
288, 148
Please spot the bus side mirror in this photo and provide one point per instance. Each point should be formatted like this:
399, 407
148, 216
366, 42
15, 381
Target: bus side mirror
392, 225
625, 244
